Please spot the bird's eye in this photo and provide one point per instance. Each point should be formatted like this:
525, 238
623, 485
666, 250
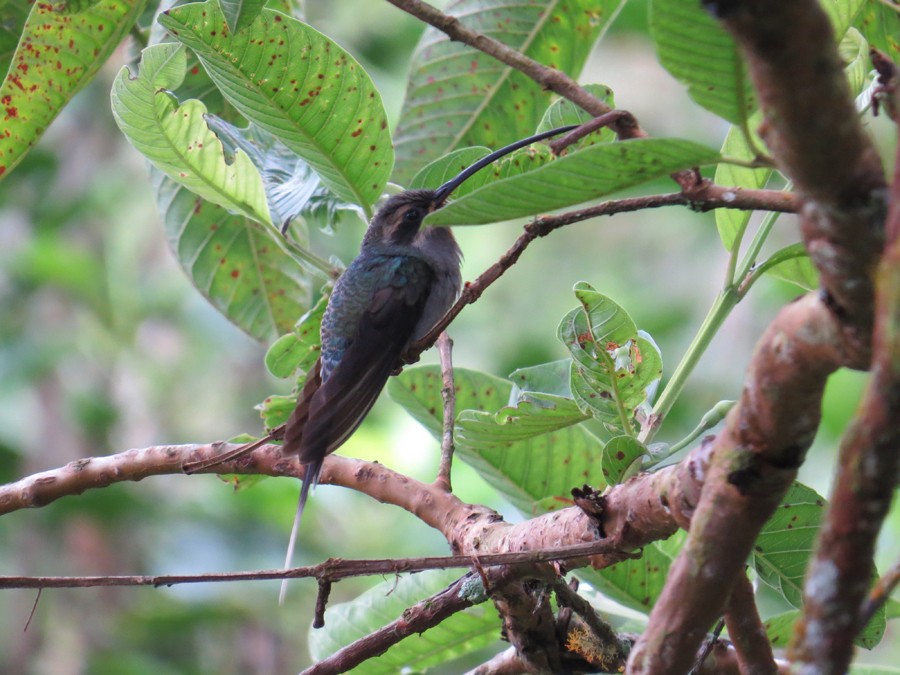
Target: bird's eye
412, 215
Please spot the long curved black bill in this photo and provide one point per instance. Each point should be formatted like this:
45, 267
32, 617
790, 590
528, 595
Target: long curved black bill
444, 190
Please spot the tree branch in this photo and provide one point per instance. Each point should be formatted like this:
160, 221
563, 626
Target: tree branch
448, 394
804, 94
746, 630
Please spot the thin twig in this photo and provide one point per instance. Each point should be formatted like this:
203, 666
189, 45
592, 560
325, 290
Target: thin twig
33, 609
417, 619
448, 393
332, 569
747, 632
705, 196
605, 120
321, 603
708, 647
879, 594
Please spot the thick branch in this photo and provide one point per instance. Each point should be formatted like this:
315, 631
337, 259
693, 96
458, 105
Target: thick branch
805, 97
746, 630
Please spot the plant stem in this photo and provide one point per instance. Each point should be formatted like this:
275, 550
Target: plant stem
721, 308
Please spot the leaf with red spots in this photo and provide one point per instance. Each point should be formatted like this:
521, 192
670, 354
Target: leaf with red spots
458, 97
622, 458
57, 54
531, 181
563, 112
444, 168
240, 267
176, 138
615, 368
13, 14
299, 86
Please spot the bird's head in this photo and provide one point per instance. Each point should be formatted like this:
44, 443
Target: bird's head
398, 222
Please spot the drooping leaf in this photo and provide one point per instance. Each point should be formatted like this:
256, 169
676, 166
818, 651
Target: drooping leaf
301, 87
530, 182
176, 139
700, 53
539, 415
293, 189
464, 632
239, 267
458, 96
58, 53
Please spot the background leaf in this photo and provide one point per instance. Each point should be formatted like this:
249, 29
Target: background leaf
301, 87
458, 97
699, 52
465, 631
36, 88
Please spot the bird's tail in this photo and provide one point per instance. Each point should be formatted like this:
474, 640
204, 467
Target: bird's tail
310, 480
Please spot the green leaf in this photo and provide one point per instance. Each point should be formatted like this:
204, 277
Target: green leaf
780, 630
843, 13
638, 583
881, 26
863, 669
13, 14
299, 349
418, 390
696, 50
782, 550
301, 87
622, 458
532, 472
239, 14
458, 96
460, 634
514, 456
515, 188
562, 112
614, 369
792, 264
58, 53
444, 168
546, 378
732, 223
176, 139
241, 269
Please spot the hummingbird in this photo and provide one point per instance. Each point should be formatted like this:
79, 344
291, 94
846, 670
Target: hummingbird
401, 284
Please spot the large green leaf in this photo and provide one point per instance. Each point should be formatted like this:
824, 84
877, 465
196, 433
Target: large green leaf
780, 630
301, 87
176, 139
534, 454
637, 583
418, 390
240, 268
57, 54
240, 13
881, 26
614, 369
530, 181
464, 632
732, 223
458, 96
700, 53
